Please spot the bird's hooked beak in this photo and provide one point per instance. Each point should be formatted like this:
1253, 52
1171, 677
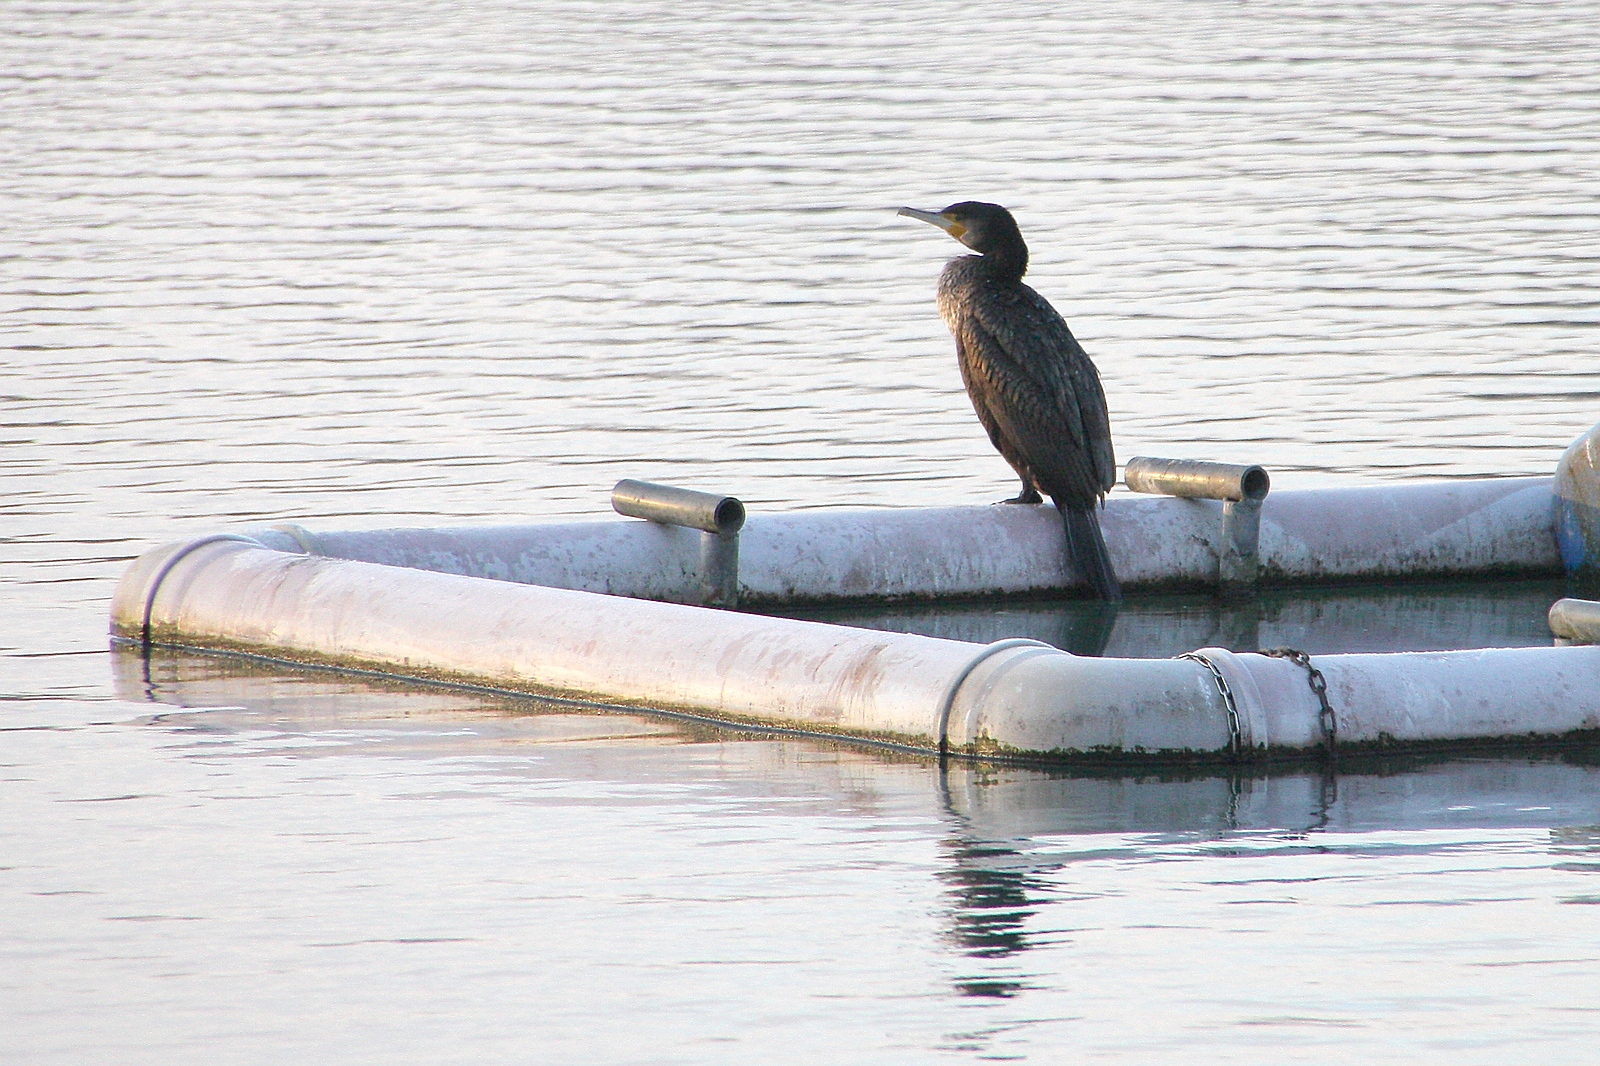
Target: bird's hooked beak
944, 222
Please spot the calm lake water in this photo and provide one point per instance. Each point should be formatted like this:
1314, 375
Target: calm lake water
370, 264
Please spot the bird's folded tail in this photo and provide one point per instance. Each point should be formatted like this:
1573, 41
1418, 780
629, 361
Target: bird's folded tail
1086, 550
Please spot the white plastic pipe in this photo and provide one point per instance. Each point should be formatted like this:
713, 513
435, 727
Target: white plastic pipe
1500, 526
1009, 698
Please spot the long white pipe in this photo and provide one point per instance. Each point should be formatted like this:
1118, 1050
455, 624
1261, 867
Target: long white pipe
1012, 697
1499, 525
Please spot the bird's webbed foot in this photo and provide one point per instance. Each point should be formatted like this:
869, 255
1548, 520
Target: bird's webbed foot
1029, 494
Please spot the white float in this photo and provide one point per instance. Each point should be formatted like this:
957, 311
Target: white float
542, 609
1497, 526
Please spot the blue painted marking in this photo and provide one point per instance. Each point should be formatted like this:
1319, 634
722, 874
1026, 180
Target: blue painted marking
1578, 534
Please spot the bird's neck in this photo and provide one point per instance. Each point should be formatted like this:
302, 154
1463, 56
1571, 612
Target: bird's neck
1006, 263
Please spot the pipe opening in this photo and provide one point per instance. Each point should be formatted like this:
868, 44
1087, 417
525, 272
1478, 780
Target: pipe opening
1255, 483
729, 515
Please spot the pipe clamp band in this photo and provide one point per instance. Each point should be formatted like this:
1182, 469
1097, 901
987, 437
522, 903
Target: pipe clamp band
166, 568
1235, 740
989, 651
1247, 717
300, 535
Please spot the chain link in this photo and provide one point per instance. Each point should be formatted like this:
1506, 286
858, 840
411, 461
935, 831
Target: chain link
1319, 686
1235, 738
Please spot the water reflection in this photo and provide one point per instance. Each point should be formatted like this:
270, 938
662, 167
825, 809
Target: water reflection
1019, 839
236, 696
992, 905
1578, 850
1087, 628
1025, 861
1423, 617
992, 897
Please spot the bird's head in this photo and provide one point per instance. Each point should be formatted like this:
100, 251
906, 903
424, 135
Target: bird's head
987, 229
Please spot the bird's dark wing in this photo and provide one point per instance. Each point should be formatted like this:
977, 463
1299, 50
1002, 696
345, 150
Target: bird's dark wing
1040, 388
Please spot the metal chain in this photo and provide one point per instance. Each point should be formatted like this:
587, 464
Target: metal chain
1319, 686
1235, 738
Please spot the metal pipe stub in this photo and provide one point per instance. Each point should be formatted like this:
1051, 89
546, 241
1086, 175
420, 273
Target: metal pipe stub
1575, 621
678, 507
1196, 479
719, 518
1241, 489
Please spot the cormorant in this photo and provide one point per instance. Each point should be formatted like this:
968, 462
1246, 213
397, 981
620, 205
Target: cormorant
1035, 391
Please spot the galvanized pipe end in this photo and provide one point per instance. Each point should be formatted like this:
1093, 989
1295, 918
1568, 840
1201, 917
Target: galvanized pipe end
672, 506
1196, 479
1241, 488
719, 518
1575, 621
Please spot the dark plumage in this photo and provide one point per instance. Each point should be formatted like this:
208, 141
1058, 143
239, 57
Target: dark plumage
1035, 391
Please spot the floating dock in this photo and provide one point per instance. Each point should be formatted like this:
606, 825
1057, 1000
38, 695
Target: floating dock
609, 613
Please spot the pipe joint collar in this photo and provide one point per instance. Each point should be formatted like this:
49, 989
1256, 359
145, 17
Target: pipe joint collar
988, 653
133, 605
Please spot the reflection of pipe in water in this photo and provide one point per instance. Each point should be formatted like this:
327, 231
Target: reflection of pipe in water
990, 908
1003, 869
238, 693
992, 902
989, 890
1401, 795
1321, 621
